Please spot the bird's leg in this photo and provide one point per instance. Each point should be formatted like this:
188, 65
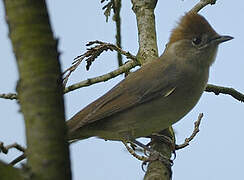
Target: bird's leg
154, 155
141, 145
133, 153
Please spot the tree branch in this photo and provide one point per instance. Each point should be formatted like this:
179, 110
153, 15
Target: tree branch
158, 169
10, 96
92, 53
201, 5
117, 7
18, 159
5, 150
148, 51
194, 133
107, 8
144, 11
122, 69
225, 90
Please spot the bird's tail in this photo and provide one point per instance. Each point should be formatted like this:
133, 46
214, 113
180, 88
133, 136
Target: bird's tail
73, 137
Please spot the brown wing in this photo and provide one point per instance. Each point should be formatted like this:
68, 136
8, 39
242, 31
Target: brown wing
137, 88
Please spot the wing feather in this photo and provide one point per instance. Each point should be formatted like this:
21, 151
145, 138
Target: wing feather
136, 89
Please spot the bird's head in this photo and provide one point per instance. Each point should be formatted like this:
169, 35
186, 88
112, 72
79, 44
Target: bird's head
194, 40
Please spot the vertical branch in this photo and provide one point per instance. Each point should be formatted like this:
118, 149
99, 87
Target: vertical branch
117, 7
157, 169
144, 10
39, 89
148, 50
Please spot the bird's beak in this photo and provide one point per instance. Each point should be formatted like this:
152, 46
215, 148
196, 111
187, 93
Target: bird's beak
220, 39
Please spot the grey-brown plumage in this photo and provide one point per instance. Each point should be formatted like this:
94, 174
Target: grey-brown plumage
158, 94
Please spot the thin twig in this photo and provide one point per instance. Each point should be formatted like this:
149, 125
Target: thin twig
116, 8
92, 53
194, 133
10, 96
5, 149
18, 159
225, 90
202, 4
122, 69
108, 7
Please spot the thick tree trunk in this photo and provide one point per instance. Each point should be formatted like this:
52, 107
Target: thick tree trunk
39, 89
8, 172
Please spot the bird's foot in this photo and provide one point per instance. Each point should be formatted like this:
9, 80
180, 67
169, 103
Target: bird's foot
152, 156
156, 156
165, 139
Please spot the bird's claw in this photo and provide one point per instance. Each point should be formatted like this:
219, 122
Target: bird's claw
156, 156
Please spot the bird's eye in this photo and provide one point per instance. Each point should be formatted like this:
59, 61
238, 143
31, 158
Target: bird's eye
196, 40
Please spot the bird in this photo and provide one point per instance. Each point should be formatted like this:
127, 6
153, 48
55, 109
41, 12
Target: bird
158, 94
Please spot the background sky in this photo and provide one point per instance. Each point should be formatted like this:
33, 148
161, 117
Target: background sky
216, 152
